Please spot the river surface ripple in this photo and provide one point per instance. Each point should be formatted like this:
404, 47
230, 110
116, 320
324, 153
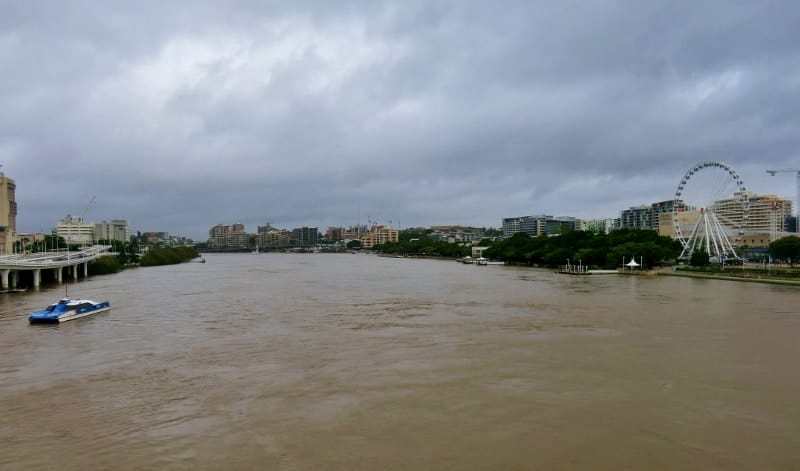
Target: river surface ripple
355, 362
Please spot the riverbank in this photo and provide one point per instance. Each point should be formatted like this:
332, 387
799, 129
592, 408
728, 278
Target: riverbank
768, 279
110, 264
420, 257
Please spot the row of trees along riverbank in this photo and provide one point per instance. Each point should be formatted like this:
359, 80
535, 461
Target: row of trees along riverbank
591, 249
127, 256
599, 250
417, 242
594, 250
168, 256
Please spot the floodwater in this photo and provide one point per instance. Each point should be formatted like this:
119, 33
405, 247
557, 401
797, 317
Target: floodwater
356, 362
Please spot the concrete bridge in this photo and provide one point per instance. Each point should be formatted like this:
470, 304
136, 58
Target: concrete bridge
12, 265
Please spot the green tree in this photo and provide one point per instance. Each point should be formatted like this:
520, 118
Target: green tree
592, 249
787, 248
104, 266
127, 252
168, 256
699, 258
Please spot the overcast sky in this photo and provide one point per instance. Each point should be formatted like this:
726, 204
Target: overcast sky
181, 115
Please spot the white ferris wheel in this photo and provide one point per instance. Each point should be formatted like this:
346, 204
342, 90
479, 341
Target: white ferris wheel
710, 211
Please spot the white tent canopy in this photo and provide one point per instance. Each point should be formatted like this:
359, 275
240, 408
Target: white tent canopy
632, 263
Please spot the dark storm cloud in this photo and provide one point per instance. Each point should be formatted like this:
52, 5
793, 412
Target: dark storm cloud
179, 115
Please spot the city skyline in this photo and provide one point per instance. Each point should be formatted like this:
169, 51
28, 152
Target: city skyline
421, 114
620, 213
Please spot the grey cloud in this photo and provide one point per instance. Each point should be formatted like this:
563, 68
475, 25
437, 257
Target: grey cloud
179, 115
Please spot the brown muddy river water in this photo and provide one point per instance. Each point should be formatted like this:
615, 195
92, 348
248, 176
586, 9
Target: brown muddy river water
355, 362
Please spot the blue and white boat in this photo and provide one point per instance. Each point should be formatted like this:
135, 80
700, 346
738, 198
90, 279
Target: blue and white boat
67, 310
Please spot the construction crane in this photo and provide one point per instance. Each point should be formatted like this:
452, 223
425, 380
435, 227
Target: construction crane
86, 211
797, 201
88, 206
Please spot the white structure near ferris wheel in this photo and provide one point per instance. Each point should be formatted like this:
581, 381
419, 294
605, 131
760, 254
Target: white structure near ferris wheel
700, 222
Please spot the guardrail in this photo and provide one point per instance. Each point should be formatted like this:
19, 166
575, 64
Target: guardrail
52, 259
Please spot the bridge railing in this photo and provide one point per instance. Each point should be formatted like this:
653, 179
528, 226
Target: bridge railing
52, 259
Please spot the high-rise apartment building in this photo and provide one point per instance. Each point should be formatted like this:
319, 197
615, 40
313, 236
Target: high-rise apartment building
8, 214
562, 225
455, 234
637, 217
334, 233
791, 224
228, 237
305, 236
648, 217
598, 226
354, 232
531, 225
154, 238
116, 229
274, 238
664, 207
511, 226
686, 219
378, 235
75, 231
768, 214
539, 225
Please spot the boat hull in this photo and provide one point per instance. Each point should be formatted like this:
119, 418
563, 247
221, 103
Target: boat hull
36, 318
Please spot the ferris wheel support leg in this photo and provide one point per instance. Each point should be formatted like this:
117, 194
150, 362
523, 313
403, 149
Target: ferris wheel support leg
721, 233
715, 236
727, 242
705, 228
691, 242
727, 247
725, 237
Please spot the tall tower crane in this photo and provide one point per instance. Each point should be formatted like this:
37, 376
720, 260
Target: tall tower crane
86, 211
88, 206
797, 201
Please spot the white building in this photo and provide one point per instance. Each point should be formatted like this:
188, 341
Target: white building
598, 226
74, 231
454, 234
477, 252
117, 229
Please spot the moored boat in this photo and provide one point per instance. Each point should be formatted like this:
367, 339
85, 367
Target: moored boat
66, 310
